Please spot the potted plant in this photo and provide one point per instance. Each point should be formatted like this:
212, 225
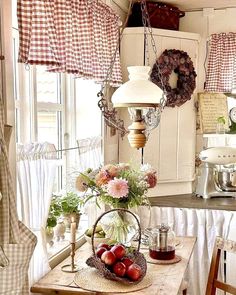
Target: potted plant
54, 213
71, 205
51, 222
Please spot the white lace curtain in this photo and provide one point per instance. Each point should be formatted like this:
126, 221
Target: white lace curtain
90, 152
36, 170
90, 156
221, 70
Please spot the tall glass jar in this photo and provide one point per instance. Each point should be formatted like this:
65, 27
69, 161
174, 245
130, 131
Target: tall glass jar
161, 242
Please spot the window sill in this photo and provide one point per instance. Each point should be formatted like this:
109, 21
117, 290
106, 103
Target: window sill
64, 253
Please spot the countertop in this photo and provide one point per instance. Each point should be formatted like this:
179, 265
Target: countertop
191, 201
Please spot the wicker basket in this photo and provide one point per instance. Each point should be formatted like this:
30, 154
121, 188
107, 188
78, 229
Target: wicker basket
136, 256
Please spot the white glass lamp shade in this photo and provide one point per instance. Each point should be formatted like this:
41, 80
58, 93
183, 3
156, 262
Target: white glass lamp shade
138, 91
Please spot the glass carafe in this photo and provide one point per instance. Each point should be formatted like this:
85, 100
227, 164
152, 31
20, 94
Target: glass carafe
161, 242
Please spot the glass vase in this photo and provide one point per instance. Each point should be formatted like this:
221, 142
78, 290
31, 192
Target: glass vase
144, 214
120, 226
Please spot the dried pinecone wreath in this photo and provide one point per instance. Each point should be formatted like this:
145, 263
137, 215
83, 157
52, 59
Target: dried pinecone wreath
179, 62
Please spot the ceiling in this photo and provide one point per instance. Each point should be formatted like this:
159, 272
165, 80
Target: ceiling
187, 5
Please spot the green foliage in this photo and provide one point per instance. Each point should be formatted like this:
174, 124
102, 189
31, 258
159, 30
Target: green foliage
71, 203
221, 120
55, 206
54, 212
51, 221
66, 204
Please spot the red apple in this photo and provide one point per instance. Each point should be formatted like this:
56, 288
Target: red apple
134, 272
99, 251
108, 257
103, 245
127, 262
119, 251
119, 269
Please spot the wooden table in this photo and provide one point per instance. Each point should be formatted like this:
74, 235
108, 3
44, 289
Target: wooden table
168, 278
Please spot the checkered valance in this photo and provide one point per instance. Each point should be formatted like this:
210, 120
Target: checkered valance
221, 70
71, 36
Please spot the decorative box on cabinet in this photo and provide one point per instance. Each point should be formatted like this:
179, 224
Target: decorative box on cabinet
171, 146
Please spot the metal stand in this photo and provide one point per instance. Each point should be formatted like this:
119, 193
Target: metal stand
71, 267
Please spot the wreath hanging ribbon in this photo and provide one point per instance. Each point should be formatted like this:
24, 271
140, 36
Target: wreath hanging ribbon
179, 62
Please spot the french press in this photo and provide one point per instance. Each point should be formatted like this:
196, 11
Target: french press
161, 242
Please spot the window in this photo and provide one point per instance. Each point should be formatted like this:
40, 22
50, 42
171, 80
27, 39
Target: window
61, 110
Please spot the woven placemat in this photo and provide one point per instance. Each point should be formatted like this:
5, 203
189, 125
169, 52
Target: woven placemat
164, 262
89, 279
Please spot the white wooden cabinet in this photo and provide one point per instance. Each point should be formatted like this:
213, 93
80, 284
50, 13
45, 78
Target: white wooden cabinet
171, 146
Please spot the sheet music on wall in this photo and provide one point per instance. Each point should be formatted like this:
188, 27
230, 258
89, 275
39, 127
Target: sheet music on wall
211, 107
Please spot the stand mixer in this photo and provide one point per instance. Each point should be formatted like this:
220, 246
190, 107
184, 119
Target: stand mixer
218, 173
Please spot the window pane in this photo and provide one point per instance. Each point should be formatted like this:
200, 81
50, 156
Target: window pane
49, 130
88, 114
48, 127
47, 86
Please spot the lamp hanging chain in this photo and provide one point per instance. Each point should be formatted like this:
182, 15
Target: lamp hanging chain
146, 47
110, 114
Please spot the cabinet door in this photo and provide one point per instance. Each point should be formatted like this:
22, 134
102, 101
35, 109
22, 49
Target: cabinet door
171, 146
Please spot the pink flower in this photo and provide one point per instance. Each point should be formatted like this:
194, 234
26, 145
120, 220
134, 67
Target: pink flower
102, 177
151, 178
112, 170
106, 173
118, 188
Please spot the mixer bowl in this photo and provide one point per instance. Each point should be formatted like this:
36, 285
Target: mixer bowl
225, 180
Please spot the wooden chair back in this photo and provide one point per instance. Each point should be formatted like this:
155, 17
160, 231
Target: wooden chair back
213, 283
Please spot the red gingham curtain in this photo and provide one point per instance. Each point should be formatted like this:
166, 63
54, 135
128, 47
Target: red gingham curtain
221, 71
234, 75
70, 36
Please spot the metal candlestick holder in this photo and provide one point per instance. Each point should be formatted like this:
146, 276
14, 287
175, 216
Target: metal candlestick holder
71, 267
